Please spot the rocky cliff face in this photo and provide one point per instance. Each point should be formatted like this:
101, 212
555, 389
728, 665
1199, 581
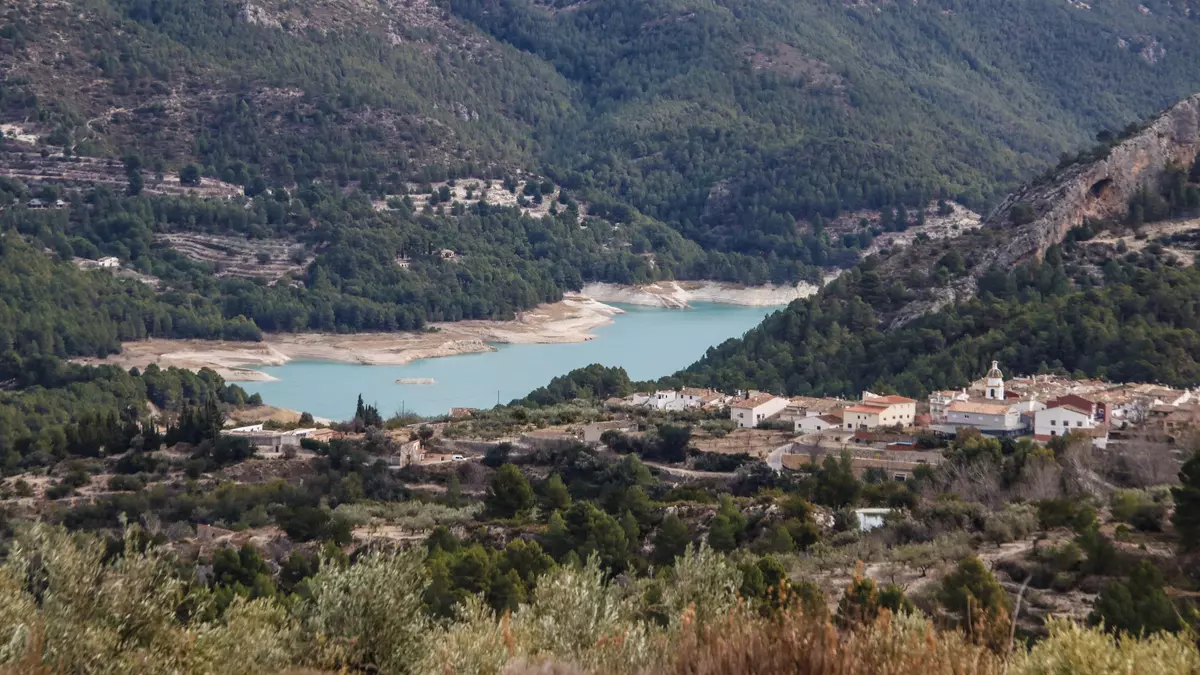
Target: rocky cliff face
1100, 190
1097, 190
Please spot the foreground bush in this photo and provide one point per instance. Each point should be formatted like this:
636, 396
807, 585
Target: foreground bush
70, 604
60, 598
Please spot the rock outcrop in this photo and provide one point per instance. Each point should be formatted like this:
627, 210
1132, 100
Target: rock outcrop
1099, 190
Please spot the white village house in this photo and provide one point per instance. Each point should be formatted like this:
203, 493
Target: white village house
876, 411
986, 416
749, 412
1061, 420
694, 397
814, 423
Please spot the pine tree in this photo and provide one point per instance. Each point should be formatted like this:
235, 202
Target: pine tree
509, 494
972, 588
555, 496
671, 540
556, 541
779, 540
1138, 605
633, 534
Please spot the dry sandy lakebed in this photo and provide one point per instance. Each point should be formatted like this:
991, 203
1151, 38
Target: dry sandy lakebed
569, 320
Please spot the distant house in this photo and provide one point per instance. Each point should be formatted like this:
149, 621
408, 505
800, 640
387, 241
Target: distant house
463, 413
1061, 419
36, 203
325, 435
808, 425
939, 401
640, 399
410, 453
403, 262
749, 412
879, 411
993, 410
108, 263
270, 440
662, 399
447, 254
983, 416
806, 406
1097, 410
694, 397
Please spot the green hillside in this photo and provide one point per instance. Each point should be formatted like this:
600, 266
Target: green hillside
727, 121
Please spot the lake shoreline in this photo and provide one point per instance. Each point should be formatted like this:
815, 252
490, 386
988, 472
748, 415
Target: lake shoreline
568, 321
681, 294
647, 342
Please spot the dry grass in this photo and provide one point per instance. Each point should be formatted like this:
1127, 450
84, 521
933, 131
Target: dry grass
799, 643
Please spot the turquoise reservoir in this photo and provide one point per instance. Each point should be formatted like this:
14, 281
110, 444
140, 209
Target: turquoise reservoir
647, 342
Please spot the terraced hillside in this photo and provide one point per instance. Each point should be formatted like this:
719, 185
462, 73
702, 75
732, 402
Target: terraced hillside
240, 257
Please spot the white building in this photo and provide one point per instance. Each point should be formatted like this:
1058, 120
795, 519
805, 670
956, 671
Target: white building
813, 423
1061, 420
996, 417
750, 411
876, 411
108, 263
273, 440
939, 401
639, 399
698, 398
663, 400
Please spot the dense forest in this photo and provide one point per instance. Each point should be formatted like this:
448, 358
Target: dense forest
346, 275
1135, 319
736, 124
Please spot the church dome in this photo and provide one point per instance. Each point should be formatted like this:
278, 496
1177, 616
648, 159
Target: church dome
994, 373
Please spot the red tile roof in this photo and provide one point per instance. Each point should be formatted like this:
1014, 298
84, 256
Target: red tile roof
868, 408
890, 399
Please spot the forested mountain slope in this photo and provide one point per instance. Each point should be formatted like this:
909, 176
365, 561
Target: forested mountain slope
1138, 321
734, 118
1101, 282
729, 121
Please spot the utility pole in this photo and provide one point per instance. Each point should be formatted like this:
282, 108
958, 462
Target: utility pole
497, 397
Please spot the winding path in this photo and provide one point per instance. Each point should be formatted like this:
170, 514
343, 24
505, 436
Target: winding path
775, 459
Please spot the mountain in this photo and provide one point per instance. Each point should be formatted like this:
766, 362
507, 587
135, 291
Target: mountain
742, 125
1090, 269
